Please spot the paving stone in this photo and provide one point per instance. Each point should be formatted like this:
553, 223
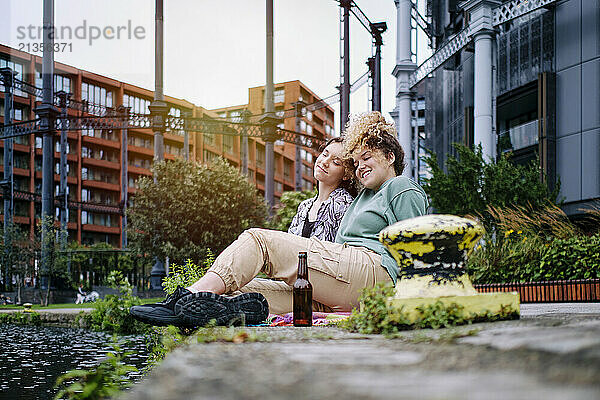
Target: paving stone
541, 356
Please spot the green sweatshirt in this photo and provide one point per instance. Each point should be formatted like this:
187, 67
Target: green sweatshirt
398, 198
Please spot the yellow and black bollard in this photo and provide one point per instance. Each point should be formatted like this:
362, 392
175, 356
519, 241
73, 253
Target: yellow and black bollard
431, 252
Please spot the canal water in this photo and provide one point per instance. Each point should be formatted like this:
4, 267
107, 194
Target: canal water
31, 357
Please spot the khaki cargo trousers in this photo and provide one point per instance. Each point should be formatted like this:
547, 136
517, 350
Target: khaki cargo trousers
337, 271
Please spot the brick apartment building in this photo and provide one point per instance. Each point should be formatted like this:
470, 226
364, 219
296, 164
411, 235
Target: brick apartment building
94, 166
318, 123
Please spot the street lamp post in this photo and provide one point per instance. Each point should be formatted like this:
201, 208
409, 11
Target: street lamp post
158, 114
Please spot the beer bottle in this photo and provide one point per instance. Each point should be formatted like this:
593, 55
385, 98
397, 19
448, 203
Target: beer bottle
302, 291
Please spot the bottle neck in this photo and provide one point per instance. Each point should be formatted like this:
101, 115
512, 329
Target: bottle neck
302, 268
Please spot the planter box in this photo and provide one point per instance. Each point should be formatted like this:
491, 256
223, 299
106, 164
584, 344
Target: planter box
580, 290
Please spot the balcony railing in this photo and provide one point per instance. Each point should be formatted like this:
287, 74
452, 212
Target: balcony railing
524, 135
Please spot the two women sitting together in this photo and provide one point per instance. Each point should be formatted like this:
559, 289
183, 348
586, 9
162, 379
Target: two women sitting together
337, 230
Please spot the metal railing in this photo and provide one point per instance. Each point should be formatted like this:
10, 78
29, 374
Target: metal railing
563, 291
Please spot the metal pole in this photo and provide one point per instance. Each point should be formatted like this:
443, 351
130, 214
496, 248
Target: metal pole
403, 69
124, 176
46, 113
64, 213
269, 109
298, 106
8, 182
377, 75
158, 107
371, 66
345, 85
158, 113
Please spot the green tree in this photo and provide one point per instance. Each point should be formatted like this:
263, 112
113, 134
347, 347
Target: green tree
18, 254
472, 184
190, 208
288, 208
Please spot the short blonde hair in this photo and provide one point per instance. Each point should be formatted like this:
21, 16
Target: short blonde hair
372, 131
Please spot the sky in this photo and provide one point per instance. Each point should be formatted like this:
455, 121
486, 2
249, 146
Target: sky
213, 50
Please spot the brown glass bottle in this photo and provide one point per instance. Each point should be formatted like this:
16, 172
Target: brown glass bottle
302, 290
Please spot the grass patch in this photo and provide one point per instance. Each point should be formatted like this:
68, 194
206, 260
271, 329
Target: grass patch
377, 316
69, 305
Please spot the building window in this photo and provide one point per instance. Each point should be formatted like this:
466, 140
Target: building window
137, 104
306, 170
96, 95
16, 67
305, 155
287, 170
228, 144
279, 96
309, 115
139, 162
306, 184
303, 126
260, 156
278, 187
171, 149
20, 160
209, 139
139, 142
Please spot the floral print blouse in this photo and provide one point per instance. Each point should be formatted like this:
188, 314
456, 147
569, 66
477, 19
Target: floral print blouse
328, 218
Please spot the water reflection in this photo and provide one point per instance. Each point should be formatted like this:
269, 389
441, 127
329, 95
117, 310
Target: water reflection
31, 358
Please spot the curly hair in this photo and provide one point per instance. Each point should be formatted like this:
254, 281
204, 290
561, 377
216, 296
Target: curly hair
372, 131
349, 182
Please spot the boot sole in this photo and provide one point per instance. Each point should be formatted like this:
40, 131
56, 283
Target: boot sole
198, 309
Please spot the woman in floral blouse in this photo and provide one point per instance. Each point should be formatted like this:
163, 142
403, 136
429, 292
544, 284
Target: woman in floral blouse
320, 216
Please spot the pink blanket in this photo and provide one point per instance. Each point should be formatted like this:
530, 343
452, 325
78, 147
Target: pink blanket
319, 318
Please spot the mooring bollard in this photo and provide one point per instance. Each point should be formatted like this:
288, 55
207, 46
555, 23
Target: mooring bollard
431, 252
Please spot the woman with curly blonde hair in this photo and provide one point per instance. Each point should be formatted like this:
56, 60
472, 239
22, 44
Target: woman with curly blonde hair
338, 271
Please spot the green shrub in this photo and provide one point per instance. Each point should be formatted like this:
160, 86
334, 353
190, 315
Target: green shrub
536, 245
287, 209
571, 258
185, 275
112, 313
187, 208
471, 184
21, 318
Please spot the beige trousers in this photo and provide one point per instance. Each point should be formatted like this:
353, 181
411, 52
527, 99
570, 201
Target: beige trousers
337, 272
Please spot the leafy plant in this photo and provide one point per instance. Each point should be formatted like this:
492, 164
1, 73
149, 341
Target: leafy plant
188, 208
162, 341
112, 313
571, 258
535, 245
108, 379
287, 209
471, 184
377, 315
185, 275
21, 318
